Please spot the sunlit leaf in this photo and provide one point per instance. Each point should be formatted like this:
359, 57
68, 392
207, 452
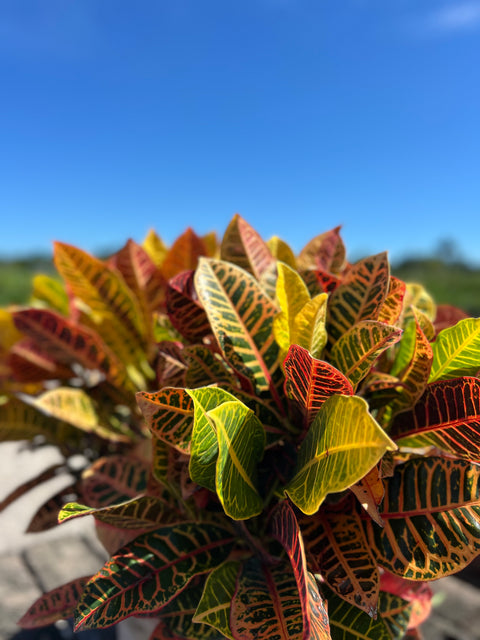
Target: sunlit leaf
392, 308
169, 415
447, 416
343, 443
240, 313
309, 327
241, 441
456, 351
204, 444
356, 351
280, 250
431, 512
155, 247
309, 382
326, 251
292, 296
244, 247
50, 291
369, 491
360, 296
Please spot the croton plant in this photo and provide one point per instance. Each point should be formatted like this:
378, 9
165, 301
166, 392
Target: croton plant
275, 445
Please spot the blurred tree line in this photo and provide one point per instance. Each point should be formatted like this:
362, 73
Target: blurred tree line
445, 275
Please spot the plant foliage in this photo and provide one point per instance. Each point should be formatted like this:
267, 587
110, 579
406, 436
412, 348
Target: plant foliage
276, 446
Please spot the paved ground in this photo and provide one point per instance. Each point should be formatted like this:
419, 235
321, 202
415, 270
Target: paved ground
33, 563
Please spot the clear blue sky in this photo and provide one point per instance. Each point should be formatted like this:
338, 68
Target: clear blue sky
118, 116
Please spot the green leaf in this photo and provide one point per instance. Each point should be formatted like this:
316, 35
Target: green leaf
50, 291
343, 443
431, 513
214, 606
150, 571
266, 604
113, 479
456, 351
241, 441
347, 622
356, 351
204, 445
241, 314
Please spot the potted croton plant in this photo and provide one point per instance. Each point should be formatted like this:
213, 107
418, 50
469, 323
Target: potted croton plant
276, 445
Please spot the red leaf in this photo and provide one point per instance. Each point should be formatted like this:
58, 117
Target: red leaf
184, 309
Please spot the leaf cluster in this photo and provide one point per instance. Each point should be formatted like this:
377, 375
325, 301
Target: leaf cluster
277, 445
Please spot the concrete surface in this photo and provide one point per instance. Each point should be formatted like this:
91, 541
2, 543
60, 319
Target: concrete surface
33, 563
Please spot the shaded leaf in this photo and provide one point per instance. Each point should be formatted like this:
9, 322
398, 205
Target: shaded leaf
266, 603
57, 604
150, 571
184, 254
348, 622
369, 491
184, 309
338, 550
214, 606
113, 479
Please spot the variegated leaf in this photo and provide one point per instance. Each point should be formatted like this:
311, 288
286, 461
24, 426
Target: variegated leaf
144, 512
433, 530
286, 530
348, 622
360, 296
184, 254
326, 251
150, 571
309, 382
57, 604
392, 308
241, 441
205, 367
110, 303
241, 313
447, 416
113, 479
214, 606
338, 550
169, 415
369, 491
343, 443
155, 247
356, 351
184, 309
204, 444
266, 603
69, 343
456, 351
244, 247
50, 291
